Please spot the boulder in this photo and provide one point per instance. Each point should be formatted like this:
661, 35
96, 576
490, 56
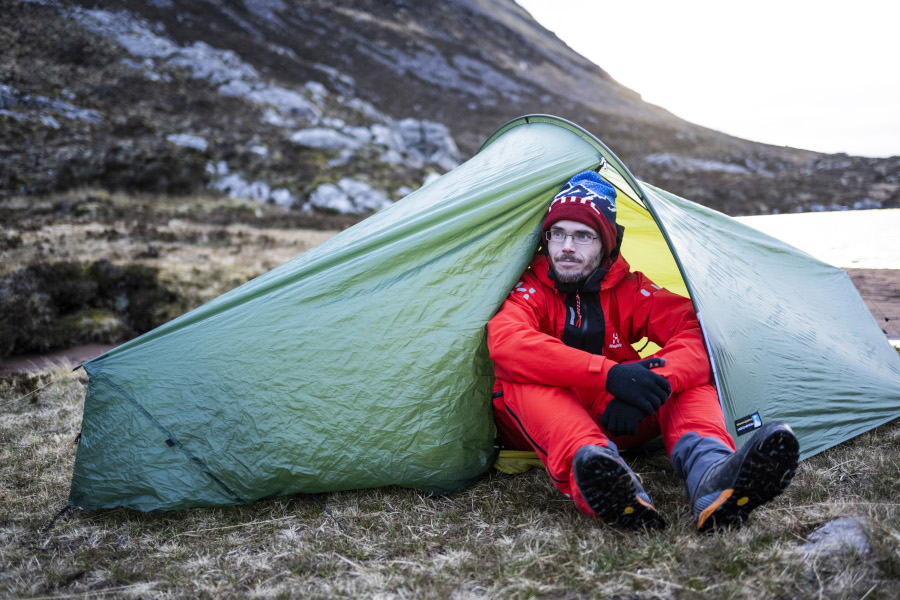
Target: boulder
349, 196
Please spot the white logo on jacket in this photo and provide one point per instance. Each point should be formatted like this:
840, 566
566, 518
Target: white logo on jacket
615, 341
525, 291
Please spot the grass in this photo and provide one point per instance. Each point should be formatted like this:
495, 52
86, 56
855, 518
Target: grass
201, 246
187, 251
503, 537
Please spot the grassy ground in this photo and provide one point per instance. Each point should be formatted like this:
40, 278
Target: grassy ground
503, 537
170, 255
201, 246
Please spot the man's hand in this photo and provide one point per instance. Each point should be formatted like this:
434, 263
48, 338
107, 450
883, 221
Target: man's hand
635, 384
620, 418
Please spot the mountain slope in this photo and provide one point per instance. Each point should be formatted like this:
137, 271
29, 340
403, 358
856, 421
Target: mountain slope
345, 106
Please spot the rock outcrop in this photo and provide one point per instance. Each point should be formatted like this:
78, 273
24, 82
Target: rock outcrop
282, 102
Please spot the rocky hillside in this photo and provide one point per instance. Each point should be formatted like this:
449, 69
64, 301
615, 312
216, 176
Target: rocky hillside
344, 106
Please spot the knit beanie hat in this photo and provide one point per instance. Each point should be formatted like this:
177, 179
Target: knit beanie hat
589, 199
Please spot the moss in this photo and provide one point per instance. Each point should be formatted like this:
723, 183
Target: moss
96, 325
58, 305
19, 385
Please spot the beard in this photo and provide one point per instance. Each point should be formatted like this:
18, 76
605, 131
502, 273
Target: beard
569, 277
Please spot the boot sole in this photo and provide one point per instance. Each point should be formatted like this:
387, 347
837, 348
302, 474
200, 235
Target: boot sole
608, 489
765, 473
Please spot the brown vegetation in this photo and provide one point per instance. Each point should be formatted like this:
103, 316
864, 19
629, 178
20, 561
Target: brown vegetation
100, 268
503, 537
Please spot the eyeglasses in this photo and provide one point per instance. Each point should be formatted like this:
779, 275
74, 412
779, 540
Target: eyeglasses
559, 236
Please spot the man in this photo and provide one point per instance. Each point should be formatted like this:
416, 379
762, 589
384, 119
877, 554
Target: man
570, 385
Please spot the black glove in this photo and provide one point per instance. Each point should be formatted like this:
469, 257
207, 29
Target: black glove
621, 418
635, 384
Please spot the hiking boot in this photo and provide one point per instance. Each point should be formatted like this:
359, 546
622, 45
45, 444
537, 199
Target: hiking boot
750, 477
612, 490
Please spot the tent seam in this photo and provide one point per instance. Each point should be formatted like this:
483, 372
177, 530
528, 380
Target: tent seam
169, 437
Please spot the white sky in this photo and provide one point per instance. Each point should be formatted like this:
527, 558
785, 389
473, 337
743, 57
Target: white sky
820, 75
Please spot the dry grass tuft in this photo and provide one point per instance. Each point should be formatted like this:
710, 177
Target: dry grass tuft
202, 246
503, 537
94, 267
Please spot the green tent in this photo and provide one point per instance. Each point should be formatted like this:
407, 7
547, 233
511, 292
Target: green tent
363, 363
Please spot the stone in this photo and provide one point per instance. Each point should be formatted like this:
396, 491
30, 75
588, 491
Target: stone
323, 138
349, 196
838, 536
429, 142
188, 140
330, 196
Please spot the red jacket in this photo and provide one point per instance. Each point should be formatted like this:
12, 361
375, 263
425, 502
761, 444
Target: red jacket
525, 336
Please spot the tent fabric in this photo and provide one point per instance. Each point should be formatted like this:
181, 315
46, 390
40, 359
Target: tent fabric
788, 335
363, 362
360, 363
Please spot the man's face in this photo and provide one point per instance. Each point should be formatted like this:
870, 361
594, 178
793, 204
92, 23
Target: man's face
573, 262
